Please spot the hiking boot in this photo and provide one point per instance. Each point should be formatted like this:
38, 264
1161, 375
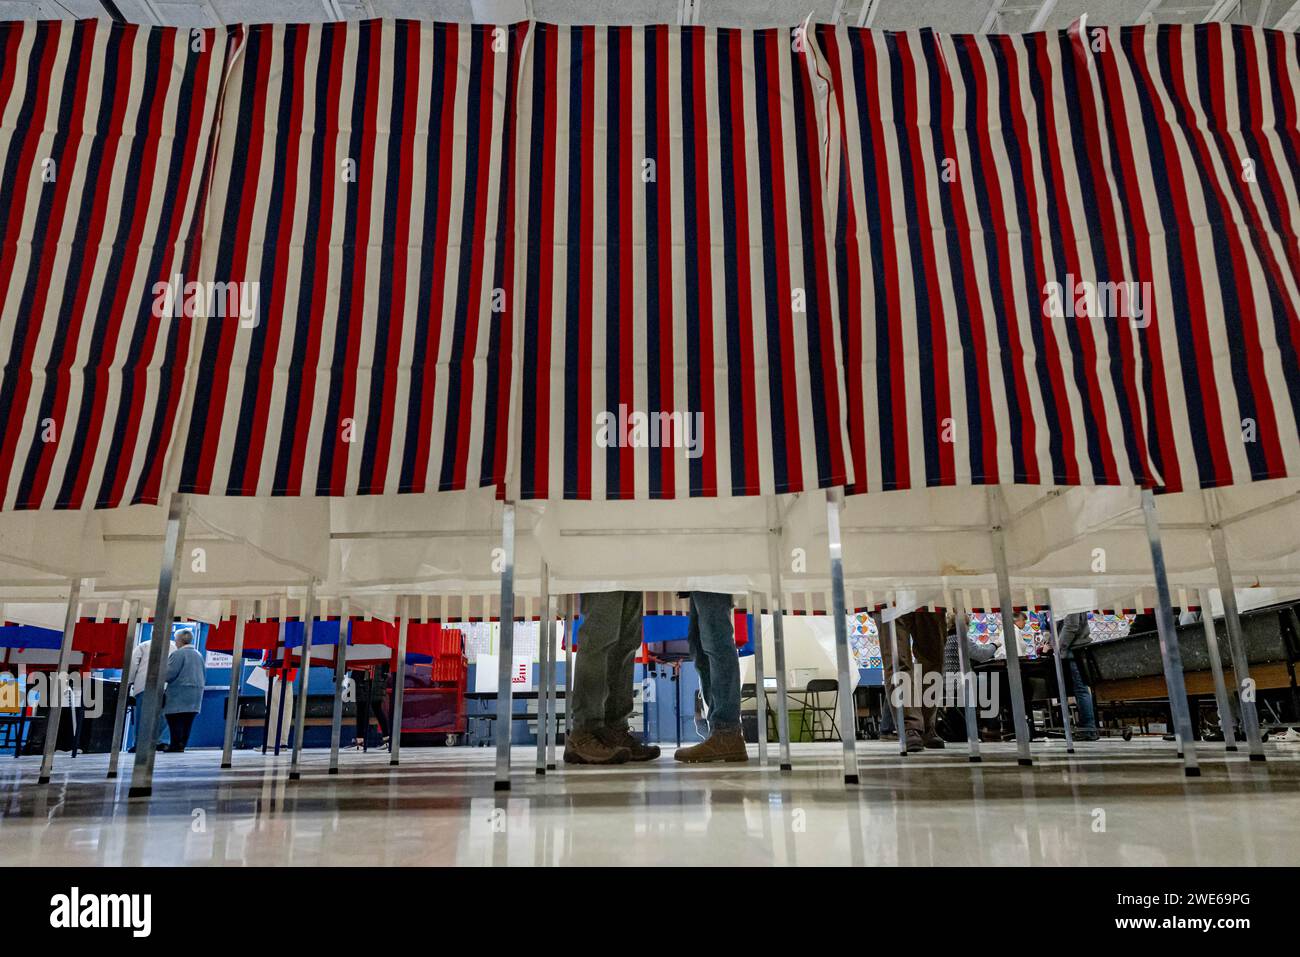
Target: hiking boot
585, 747
637, 749
726, 746
933, 742
915, 743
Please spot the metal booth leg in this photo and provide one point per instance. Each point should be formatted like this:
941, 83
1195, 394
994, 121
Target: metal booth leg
505, 663
1237, 645
760, 675
340, 674
404, 604
119, 713
1060, 683
236, 682
1226, 719
543, 666
304, 676
1009, 639
960, 622
59, 682
1169, 650
778, 639
150, 702
848, 726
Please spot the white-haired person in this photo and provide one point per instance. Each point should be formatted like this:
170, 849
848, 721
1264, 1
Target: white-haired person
183, 696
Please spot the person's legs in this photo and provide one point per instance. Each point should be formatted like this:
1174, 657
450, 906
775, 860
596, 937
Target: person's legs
913, 719
714, 647
363, 710
602, 616
927, 645
621, 662
181, 730
698, 657
1082, 695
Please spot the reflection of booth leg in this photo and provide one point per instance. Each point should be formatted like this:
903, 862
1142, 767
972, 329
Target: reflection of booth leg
1169, 650
1226, 720
760, 675
58, 683
236, 683
304, 676
399, 683
150, 701
1009, 639
340, 673
505, 663
848, 726
119, 714
543, 677
282, 655
1060, 684
552, 710
570, 626
778, 636
967, 683
1236, 645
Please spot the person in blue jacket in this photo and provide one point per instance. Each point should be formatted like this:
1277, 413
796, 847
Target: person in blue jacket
184, 692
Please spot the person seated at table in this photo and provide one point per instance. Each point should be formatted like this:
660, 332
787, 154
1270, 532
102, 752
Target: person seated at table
1073, 633
602, 682
712, 642
920, 634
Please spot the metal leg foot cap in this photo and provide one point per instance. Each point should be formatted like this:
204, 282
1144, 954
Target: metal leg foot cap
226, 766
850, 779
1192, 772
1231, 747
550, 767
140, 792
334, 771
1069, 750
295, 775
43, 779
1025, 762
500, 785
112, 775
393, 763
540, 772
975, 759
787, 767
1257, 757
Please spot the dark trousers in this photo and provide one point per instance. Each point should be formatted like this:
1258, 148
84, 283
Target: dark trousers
919, 633
179, 724
607, 645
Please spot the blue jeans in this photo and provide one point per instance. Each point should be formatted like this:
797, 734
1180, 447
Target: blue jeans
712, 642
1082, 694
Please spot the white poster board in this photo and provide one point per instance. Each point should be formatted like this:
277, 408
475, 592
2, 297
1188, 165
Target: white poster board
485, 674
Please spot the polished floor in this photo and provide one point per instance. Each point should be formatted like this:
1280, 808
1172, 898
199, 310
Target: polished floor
1124, 803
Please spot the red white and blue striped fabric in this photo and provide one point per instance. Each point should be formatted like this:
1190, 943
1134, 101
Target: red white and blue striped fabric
673, 217
1201, 148
363, 182
104, 134
975, 175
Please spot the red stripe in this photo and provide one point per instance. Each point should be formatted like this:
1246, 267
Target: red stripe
584, 371
704, 273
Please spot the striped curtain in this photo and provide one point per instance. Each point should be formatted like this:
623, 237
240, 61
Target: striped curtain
1067, 258
363, 197
679, 332
105, 130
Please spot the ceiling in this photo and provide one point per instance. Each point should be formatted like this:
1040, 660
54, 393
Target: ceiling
951, 16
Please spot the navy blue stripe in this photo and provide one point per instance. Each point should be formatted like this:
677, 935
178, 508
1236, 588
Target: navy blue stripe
617, 173
532, 275
653, 319
574, 431
691, 234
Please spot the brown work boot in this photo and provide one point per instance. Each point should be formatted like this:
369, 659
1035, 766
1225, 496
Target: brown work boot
637, 749
585, 747
726, 746
915, 743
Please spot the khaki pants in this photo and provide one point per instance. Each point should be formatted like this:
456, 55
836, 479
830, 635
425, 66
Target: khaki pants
920, 633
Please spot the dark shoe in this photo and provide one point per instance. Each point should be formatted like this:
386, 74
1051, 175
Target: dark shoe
915, 743
726, 746
934, 742
1088, 734
585, 747
637, 749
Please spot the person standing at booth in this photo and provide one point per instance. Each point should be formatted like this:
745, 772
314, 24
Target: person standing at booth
712, 643
602, 682
920, 634
183, 696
